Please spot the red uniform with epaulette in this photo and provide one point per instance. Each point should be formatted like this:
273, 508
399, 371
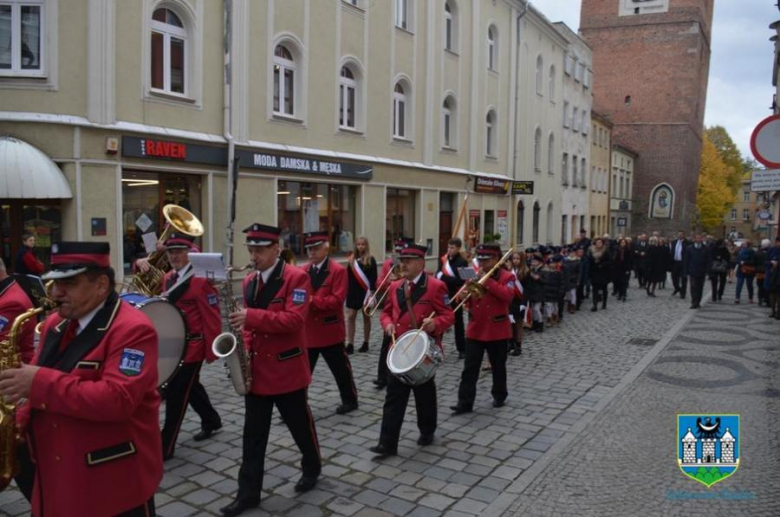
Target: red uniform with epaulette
274, 334
13, 302
427, 295
489, 330
325, 328
198, 301
92, 416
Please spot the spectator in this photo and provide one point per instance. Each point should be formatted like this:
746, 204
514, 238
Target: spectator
696, 264
761, 261
746, 270
624, 264
600, 272
25, 262
719, 269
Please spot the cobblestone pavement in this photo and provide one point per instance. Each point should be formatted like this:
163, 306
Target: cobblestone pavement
480, 462
724, 361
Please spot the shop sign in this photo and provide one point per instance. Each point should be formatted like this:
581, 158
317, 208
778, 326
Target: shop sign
520, 188
151, 148
484, 185
765, 181
300, 164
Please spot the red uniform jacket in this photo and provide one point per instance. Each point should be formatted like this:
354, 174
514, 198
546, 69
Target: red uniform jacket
489, 315
428, 295
325, 324
13, 302
92, 418
274, 330
198, 301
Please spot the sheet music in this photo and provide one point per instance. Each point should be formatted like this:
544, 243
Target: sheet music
208, 265
150, 241
467, 273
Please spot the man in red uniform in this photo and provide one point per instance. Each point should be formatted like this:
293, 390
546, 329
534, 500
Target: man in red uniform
409, 306
92, 409
13, 302
198, 301
389, 278
277, 298
325, 330
489, 329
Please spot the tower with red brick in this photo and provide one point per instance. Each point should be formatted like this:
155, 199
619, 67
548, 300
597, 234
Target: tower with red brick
651, 64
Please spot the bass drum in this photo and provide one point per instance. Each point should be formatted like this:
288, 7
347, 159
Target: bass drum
171, 333
414, 358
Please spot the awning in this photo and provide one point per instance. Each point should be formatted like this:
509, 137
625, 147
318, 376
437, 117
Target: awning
27, 173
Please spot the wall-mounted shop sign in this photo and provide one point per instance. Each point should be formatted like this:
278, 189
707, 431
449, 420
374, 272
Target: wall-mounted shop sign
155, 149
520, 188
484, 185
301, 164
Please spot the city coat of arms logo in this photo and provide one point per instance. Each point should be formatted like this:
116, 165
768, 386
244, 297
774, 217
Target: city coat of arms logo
708, 447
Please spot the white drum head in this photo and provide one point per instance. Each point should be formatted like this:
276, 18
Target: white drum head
408, 352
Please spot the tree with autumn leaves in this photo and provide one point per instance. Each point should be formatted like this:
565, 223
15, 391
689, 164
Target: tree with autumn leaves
720, 177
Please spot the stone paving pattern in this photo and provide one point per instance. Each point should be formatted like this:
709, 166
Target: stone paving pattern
476, 459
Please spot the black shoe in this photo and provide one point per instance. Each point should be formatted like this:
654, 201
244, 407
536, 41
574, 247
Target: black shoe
383, 451
305, 484
460, 410
498, 403
239, 506
461, 356
206, 433
695, 306
682, 297
594, 309
364, 348
345, 408
518, 349
350, 349
425, 439
675, 292
380, 385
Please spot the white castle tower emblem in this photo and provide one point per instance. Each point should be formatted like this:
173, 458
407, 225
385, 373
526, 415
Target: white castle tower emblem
708, 446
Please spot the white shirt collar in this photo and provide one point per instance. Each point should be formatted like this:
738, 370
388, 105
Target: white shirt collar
86, 319
266, 273
319, 266
186, 269
417, 279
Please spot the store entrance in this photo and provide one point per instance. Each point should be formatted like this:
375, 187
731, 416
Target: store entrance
40, 217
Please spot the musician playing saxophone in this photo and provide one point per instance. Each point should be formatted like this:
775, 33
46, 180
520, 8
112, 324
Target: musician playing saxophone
409, 306
276, 298
198, 302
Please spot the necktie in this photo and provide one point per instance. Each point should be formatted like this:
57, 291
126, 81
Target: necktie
259, 284
69, 335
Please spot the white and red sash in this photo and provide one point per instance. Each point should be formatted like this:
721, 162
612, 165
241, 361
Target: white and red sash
446, 269
361, 278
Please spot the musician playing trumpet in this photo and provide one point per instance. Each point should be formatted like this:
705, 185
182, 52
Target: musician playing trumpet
416, 301
489, 328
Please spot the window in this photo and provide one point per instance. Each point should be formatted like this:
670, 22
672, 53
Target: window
574, 171
575, 115
169, 52
538, 150
569, 64
402, 17
491, 48
537, 209
551, 86
347, 98
746, 196
550, 155
399, 111
579, 72
566, 114
309, 207
594, 178
733, 214
21, 38
628, 186
583, 168
490, 133
400, 215
550, 223
520, 222
565, 169
586, 78
614, 184
450, 26
620, 191
564, 225
745, 214
585, 123
285, 76
449, 124
539, 74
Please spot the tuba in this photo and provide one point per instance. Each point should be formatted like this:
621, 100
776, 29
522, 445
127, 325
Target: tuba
149, 283
230, 345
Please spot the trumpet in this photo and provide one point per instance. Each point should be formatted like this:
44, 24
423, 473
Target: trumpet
478, 288
373, 303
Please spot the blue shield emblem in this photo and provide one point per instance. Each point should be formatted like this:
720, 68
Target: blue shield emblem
708, 447
132, 362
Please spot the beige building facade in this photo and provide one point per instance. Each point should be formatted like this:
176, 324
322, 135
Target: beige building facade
354, 117
601, 164
620, 190
751, 217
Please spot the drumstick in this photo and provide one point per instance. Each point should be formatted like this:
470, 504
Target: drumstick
418, 333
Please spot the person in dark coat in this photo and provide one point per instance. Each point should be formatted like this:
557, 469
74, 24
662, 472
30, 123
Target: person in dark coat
624, 264
719, 260
572, 273
697, 265
534, 291
600, 272
762, 255
773, 274
656, 265
746, 270
552, 281
677, 249
641, 249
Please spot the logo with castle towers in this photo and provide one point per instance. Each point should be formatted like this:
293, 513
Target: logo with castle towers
708, 447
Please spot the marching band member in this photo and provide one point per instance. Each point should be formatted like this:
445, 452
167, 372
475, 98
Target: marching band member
277, 299
325, 330
13, 302
489, 329
389, 277
362, 280
423, 294
92, 411
198, 302
449, 274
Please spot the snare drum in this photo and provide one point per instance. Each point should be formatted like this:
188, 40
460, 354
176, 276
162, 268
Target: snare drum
414, 358
171, 333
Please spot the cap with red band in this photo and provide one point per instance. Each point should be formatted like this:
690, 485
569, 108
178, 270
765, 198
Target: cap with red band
179, 241
73, 258
413, 251
261, 235
401, 242
488, 251
312, 239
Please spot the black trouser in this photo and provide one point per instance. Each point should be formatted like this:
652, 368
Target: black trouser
381, 368
460, 332
600, 294
145, 510
621, 282
762, 294
338, 362
475, 350
718, 282
679, 280
561, 304
393, 412
185, 388
25, 479
295, 411
580, 294
697, 287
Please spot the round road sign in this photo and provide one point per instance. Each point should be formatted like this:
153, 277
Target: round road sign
765, 142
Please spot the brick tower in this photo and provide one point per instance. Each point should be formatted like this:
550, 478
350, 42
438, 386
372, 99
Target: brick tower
651, 62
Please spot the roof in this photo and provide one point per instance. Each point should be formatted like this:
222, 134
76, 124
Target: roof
27, 173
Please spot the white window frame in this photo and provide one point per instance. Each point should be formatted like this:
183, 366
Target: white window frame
746, 214
539, 75
492, 47
565, 169
550, 153
449, 123
169, 31
586, 80
400, 107
746, 196
490, 134
585, 123
574, 165
284, 64
575, 113
347, 84
569, 64
551, 85
16, 39
538, 150
566, 114
402, 17
450, 27
733, 214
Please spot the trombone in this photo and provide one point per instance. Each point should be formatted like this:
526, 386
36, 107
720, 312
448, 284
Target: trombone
373, 304
478, 287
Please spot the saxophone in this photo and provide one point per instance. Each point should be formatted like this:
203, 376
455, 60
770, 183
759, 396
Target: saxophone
230, 345
10, 436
